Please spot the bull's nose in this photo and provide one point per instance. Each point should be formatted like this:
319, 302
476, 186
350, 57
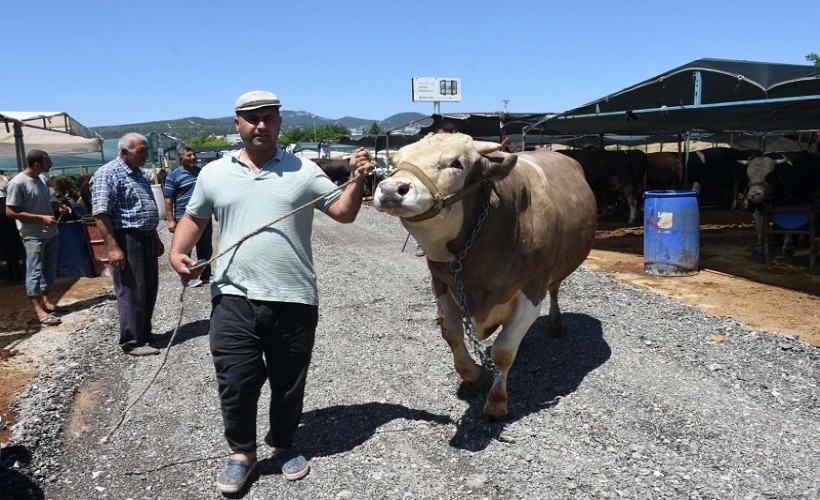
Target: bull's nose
394, 188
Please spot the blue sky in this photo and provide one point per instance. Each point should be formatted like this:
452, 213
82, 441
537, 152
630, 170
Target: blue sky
112, 62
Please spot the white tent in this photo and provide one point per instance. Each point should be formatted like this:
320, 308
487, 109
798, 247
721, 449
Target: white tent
55, 132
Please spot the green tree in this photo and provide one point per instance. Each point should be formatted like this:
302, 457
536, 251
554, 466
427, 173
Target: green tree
207, 140
374, 129
814, 57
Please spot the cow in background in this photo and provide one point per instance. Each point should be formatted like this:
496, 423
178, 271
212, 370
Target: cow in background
500, 231
337, 169
780, 180
716, 174
612, 173
664, 171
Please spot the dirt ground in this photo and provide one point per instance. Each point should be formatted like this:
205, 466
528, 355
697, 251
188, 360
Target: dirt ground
25, 346
782, 297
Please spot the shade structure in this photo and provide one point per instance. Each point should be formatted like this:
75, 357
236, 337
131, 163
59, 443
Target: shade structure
52, 131
712, 95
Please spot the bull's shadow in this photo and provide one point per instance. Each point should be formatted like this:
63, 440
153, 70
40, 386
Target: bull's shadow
545, 370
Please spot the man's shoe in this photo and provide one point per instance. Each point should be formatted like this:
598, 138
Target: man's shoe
143, 350
194, 283
419, 251
235, 475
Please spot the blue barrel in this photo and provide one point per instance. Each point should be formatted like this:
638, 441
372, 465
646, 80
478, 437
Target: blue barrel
73, 255
671, 242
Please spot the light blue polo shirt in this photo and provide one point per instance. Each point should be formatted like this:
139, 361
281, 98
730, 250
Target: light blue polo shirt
277, 264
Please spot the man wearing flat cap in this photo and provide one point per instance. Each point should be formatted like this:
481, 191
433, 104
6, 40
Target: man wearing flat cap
264, 292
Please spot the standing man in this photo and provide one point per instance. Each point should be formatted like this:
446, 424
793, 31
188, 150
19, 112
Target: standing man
127, 219
179, 185
265, 296
29, 202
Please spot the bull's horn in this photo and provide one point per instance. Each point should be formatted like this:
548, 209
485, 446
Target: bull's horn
486, 147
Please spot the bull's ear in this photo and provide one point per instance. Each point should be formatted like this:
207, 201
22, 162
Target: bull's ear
498, 165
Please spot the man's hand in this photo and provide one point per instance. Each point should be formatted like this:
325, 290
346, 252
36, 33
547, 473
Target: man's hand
49, 220
116, 258
172, 225
360, 163
180, 263
160, 246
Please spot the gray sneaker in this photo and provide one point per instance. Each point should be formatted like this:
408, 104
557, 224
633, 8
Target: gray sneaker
419, 251
194, 283
143, 350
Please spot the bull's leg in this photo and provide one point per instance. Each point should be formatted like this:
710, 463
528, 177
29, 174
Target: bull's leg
503, 354
557, 328
629, 193
453, 332
762, 246
788, 245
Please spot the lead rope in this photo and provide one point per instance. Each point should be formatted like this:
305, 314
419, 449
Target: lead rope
241, 240
455, 268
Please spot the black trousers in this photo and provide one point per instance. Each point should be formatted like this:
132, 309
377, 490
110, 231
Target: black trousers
253, 341
136, 286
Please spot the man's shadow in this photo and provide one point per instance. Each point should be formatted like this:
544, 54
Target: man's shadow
187, 331
15, 483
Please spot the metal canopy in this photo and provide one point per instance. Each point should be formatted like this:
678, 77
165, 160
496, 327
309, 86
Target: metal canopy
710, 95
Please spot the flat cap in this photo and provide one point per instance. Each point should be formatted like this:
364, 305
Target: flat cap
256, 99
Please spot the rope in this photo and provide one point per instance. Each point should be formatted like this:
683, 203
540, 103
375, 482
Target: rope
253, 233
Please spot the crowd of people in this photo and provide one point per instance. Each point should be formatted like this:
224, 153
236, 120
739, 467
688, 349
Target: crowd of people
264, 292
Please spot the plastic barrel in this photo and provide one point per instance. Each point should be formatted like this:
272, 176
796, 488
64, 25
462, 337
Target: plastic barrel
671, 244
73, 256
160, 199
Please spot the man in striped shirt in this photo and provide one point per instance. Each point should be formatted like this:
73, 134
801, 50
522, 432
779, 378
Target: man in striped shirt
127, 218
179, 185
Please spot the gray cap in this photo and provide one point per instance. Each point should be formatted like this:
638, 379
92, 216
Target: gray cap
256, 99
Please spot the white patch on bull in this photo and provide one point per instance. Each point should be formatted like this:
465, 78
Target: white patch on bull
701, 156
757, 169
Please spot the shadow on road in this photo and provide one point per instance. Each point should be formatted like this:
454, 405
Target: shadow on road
545, 370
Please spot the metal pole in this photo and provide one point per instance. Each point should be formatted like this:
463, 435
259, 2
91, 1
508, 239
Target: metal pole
19, 146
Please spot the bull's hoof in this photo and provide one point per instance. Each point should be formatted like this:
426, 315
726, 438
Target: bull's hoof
495, 414
558, 331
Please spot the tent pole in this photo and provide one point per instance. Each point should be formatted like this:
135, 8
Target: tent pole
19, 147
686, 157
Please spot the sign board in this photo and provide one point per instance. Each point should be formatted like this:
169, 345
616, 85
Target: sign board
436, 89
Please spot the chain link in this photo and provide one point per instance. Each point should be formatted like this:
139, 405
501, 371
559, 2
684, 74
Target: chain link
455, 268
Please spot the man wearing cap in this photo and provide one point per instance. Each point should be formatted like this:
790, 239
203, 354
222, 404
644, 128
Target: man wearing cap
265, 296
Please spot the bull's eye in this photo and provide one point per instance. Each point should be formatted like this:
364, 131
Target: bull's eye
457, 164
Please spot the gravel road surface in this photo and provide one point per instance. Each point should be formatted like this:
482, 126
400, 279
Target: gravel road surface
645, 398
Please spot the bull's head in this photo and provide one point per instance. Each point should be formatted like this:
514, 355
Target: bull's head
438, 171
758, 169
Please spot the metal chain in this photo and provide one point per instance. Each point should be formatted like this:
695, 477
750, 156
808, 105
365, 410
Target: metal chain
455, 268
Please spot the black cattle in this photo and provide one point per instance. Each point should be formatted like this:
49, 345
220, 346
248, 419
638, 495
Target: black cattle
716, 174
663, 171
338, 170
780, 180
611, 173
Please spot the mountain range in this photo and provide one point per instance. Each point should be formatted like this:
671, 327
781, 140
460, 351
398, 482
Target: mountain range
188, 128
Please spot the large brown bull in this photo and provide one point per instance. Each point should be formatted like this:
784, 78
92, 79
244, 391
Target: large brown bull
505, 229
